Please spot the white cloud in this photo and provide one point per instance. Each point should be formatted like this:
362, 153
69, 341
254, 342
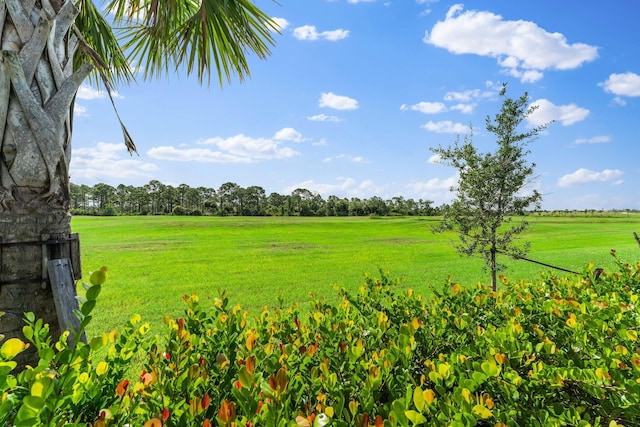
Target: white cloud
565, 114
435, 159
426, 2
360, 1
324, 118
80, 110
426, 107
436, 189
281, 23
353, 159
337, 102
585, 176
309, 32
619, 101
593, 140
102, 150
469, 94
88, 93
289, 134
435, 184
625, 84
237, 149
446, 126
463, 108
345, 187
320, 143
199, 155
522, 48
104, 162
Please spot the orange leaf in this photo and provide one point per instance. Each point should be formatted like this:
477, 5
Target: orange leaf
500, 358
251, 341
153, 422
250, 364
122, 387
227, 412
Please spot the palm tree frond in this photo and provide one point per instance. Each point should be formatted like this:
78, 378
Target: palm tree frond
200, 35
99, 45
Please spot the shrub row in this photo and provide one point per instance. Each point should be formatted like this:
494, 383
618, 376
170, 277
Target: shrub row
551, 353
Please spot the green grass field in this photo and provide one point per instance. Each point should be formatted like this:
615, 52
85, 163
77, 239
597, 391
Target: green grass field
153, 261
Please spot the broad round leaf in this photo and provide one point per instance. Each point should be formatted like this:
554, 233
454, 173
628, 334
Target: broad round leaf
98, 277
11, 348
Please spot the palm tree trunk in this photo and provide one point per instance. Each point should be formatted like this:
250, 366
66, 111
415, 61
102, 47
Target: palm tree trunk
37, 88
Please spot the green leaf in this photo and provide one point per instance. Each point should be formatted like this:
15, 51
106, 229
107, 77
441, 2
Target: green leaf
478, 377
245, 378
42, 387
93, 292
46, 354
97, 278
87, 307
415, 417
490, 368
34, 402
97, 343
27, 331
6, 367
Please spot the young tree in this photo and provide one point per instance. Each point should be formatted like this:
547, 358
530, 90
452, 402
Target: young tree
48, 48
493, 191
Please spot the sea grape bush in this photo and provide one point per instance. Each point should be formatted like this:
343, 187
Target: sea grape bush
551, 353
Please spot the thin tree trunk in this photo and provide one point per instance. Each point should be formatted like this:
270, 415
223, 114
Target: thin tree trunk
494, 267
37, 88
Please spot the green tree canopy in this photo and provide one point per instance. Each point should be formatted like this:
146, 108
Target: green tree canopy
494, 189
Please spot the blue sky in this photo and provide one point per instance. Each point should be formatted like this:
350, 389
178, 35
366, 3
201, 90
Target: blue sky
357, 91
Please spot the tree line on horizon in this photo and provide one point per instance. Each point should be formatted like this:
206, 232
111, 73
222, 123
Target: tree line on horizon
231, 199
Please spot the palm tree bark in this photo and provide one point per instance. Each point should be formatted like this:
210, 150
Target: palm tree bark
38, 85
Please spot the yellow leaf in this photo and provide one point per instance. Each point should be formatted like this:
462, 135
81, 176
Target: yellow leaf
12, 347
136, 318
353, 407
466, 395
429, 396
302, 421
482, 411
83, 377
500, 358
102, 367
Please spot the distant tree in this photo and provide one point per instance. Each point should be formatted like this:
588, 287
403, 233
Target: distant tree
492, 187
230, 197
275, 204
255, 201
102, 195
377, 206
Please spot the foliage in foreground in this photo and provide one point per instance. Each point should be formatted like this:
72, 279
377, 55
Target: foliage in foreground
554, 352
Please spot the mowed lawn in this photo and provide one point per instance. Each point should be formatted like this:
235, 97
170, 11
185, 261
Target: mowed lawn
274, 261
